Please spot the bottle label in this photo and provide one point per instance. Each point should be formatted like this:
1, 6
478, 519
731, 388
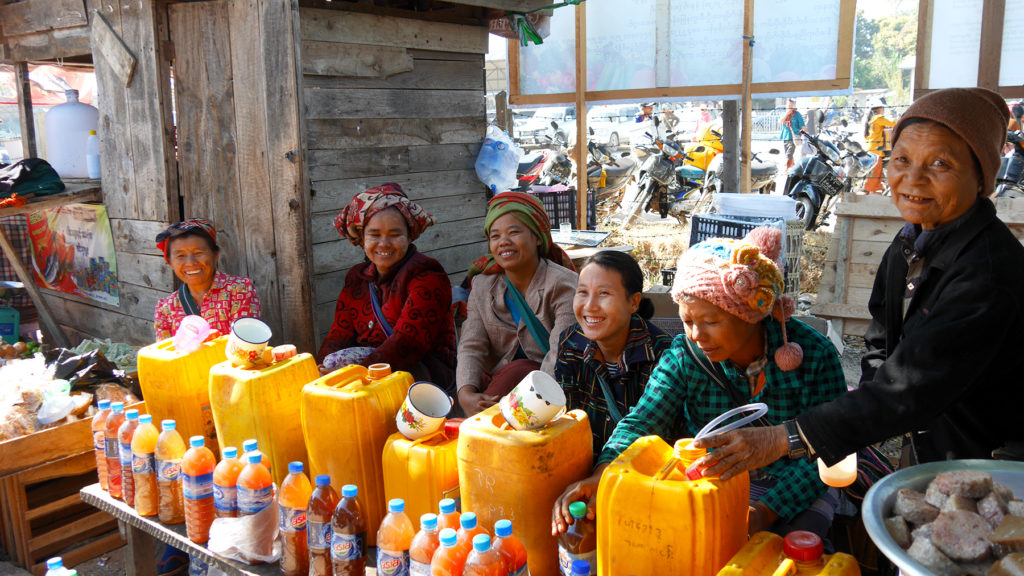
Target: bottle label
566, 558
110, 447
197, 487
225, 498
252, 501
392, 562
125, 452
348, 546
168, 470
291, 519
318, 535
418, 569
143, 463
99, 442
524, 570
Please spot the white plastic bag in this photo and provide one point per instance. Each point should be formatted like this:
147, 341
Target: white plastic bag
250, 539
498, 160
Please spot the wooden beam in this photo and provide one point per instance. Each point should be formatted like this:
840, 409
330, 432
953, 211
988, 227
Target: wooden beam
49, 45
356, 60
748, 40
924, 48
731, 146
990, 54
28, 124
844, 48
40, 15
581, 116
355, 28
509, 5
105, 41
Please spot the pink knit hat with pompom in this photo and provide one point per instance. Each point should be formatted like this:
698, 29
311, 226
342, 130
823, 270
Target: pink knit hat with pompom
744, 278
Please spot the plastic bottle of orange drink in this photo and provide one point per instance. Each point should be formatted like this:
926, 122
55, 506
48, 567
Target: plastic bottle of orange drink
579, 542
394, 538
292, 501
318, 526
147, 499
99, 444
348, 534
511, 550
170, 448
255, 494
110, 448
449, 516
250, 446
483, 561
447, 560
468, 528
225, 477
197, 487
423, 546
124, 453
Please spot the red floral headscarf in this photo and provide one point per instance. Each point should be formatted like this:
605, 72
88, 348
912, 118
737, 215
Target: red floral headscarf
204, 227
353, 218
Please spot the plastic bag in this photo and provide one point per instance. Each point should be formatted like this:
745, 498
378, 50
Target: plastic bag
57, 402
346, 357
498, 160
250, 539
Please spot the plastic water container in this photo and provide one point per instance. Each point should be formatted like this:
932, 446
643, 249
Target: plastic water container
767, 554
67, 131
92, 154
518, 475
650, 514
421, 472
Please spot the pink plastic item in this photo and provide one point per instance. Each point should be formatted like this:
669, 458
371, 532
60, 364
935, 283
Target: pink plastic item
192, 331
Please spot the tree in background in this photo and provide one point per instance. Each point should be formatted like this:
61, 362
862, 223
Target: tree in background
881, 45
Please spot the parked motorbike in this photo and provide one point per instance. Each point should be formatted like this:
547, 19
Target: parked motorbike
857, 162
659, 188
762, 174
545, 167
815, 182
1010, 178
608, 174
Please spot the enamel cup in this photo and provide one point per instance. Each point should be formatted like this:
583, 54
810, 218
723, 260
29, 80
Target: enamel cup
534, 402
423, 411
248, 339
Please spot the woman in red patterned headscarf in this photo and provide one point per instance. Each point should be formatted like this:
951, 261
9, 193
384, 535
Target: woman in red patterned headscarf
396, 306
190, 247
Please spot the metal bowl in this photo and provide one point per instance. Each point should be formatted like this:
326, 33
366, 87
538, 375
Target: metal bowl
879, 500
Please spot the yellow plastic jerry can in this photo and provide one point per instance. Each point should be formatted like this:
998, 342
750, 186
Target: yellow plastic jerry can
651, 516
347, 417
518, 475
767, 554
263, 404
421, 472
176, 385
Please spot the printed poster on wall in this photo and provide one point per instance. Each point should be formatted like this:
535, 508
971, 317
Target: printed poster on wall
73, 251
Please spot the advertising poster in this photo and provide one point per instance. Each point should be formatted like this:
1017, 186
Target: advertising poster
73, 251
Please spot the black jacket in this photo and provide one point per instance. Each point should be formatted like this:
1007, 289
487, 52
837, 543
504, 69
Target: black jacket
953, 369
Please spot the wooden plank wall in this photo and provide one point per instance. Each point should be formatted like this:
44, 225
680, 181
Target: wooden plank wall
43, 29
865, 228
392, 100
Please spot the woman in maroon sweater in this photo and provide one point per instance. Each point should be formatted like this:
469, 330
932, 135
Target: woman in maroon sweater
396, 306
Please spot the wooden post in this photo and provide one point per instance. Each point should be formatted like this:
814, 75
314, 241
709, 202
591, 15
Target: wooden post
501, 113
28, 125
730, 146
581, 116
748, 39
992, 12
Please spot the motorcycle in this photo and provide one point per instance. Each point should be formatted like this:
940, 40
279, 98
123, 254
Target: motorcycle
815, 182
545, 167
659, 188
1010, 178
608, 174
857, 162
762, 174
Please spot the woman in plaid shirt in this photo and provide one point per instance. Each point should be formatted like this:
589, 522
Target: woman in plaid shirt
735, 351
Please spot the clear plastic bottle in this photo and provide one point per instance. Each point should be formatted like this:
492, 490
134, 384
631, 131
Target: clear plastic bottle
124, 453
92, 155
111, 449
449, 516
147, 497
170, 448
579, 542
99, 422
510, 548
447, 560
225, 479
580, 568
394, 538
55, 567
197, 474
483, 561
468, 528
292, 502
318, 526
348, 534
424, 544
250, 446
256, 494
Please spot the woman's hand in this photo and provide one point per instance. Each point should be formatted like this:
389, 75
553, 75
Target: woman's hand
741, 450
473, 401
760, 518
584, 490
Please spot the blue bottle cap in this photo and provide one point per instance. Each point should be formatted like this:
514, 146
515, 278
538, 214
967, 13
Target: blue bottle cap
132, 414
145, 419
197, 441
447, 506
349, 490
103, 404
323, 480
580, 568
481, 542
255, 458
503, 528
117, 406
249, 445
231, 452
448, 538
396, 505
467, 520
295, 467
55, 562
168, 425
428, 522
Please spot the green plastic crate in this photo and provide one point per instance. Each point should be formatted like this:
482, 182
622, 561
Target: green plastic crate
9, 325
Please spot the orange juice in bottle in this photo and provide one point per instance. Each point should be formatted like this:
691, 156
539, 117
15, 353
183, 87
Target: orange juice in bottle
348, 534
147, 499
318, 526
170, 448
511, 550
483, 561
250, 446
394, 538
124, 453
424, 544
99, 442
292, 502
225, 477
579, 542
111, 448
197, 487
468, 528
449, 516
256, 494
447, 560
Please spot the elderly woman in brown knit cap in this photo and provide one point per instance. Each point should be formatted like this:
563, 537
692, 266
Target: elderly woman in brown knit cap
944, 346
396, 306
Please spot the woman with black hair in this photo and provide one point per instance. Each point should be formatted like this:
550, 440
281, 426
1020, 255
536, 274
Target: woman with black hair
605, 358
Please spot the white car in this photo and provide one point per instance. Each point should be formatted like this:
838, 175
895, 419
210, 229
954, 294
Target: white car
611, 125
533, 130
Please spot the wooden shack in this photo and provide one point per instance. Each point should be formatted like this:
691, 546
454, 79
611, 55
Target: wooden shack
267, 116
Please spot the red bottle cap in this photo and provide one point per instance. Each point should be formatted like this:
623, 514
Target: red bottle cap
803, 546
451, 427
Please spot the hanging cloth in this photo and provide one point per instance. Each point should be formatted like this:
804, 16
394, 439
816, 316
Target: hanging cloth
519, 308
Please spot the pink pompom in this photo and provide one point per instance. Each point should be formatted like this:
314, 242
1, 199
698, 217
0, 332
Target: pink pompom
784, 308
768, 240
789, 356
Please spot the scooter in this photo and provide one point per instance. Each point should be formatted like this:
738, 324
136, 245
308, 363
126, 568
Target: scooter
815, 182
545, 167
658, 176
857, 162
1010, 178
762, 174
608, 174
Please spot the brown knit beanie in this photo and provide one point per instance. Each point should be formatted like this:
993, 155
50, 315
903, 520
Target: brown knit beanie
977, 115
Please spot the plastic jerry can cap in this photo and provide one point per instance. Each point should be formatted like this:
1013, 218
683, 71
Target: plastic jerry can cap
323, 480
803, 546
578, 509
378, 371
451, 427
